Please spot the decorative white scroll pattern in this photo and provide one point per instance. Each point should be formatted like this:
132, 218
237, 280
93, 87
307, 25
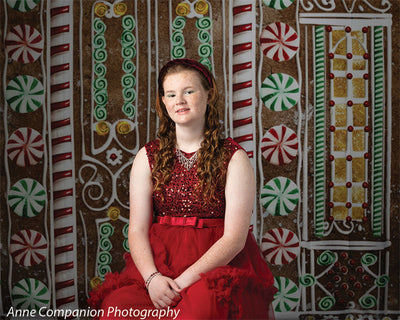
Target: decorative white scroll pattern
349, 5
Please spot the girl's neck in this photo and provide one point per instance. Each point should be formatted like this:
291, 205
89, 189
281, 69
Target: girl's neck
189, 140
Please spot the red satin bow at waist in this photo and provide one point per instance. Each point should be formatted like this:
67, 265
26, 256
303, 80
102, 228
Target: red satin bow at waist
194, 222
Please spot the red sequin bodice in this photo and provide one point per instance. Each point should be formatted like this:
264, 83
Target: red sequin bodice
180, 198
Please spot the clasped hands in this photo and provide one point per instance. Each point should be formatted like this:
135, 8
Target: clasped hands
165, 292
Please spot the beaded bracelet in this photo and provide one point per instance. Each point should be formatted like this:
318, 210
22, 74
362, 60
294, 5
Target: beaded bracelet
147, 283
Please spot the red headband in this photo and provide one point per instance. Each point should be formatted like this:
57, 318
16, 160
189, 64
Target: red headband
185, 62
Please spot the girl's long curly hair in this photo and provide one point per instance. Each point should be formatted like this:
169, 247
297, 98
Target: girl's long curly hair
211, 163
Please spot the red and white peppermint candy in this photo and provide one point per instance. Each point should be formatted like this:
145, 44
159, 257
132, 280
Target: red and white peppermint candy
279, 41
279, 145
25, 147
24, 43
28, 247
280, 246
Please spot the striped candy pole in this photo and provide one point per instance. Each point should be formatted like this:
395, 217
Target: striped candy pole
319, 83
378, 132
243, 69
61, 134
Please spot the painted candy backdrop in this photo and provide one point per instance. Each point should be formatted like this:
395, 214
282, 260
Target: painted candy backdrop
308, 87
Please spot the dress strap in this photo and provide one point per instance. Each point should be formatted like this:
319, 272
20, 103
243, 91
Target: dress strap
194, 222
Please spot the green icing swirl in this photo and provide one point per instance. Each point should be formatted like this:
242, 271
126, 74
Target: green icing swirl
367, 301
206, 62
204, 23
100, 55
100, 69
368, 259
128, 66
178, 52
125, 230
205, 50
179, 23
104, 257
101, 97
307, 280
204, 36
100, 83
128, 80
99, 41
125, 233
99, 26
106, 230
105, 244
326, 303
177, 38
382, 281
125, 244
100, 113
128, 52
129, 110
128, 23
326, 258
127, 39
129, 94
102, 270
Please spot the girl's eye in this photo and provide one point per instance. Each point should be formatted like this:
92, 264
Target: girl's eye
189, 92
170, 95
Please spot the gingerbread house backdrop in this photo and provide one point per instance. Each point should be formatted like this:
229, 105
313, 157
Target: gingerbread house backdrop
310, 89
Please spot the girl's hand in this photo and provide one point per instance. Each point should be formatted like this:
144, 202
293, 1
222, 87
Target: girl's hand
164, 292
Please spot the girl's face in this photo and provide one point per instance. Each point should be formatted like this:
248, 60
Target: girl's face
185, 98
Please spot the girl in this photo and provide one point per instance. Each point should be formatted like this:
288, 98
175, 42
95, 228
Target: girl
191, 199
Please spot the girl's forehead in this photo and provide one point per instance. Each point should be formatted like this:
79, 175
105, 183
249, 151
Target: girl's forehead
172, 78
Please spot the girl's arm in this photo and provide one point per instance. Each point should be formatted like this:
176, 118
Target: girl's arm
162, 290
239, 195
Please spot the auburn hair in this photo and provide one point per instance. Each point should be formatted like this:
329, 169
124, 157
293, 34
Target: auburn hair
211, 163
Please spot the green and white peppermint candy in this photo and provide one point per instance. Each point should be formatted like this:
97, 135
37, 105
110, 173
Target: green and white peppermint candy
279, 92
23, 5
278, 4
288, 295
30, 294
280, 196
24, 94
27, 198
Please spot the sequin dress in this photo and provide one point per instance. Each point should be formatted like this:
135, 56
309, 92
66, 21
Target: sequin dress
243, 289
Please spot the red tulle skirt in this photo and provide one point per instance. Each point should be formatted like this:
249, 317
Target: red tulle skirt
241, 290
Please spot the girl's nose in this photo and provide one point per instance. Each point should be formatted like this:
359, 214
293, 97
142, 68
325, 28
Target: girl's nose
180, 99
